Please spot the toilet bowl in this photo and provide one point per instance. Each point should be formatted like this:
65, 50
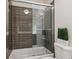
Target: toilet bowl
62, 51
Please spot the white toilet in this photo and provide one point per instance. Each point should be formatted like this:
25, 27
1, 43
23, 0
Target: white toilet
61, 52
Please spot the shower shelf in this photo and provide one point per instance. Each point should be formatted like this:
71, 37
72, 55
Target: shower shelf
24, 32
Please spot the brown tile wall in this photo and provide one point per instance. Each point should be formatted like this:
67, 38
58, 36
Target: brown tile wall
18, 18
8, 50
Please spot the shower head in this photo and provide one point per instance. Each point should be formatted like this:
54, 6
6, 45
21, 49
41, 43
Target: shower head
26, 11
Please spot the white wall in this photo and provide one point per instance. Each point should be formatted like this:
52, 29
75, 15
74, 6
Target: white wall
63, 17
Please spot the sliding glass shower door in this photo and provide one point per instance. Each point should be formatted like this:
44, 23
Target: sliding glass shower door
42, 26
31, 26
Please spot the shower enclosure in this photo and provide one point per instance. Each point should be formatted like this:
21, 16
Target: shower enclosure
42, 26
30, 27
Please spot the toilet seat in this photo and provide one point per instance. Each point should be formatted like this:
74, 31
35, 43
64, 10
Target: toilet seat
47, 58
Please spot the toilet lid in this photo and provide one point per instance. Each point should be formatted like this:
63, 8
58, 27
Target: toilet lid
47, 58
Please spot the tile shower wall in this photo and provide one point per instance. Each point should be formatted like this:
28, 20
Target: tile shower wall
20, 27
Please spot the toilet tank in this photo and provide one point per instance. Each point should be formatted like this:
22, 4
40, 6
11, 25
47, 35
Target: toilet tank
62, 52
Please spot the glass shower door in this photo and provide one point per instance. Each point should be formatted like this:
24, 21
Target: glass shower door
37, 24
42, 26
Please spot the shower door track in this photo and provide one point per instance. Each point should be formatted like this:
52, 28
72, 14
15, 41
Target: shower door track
30, 2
